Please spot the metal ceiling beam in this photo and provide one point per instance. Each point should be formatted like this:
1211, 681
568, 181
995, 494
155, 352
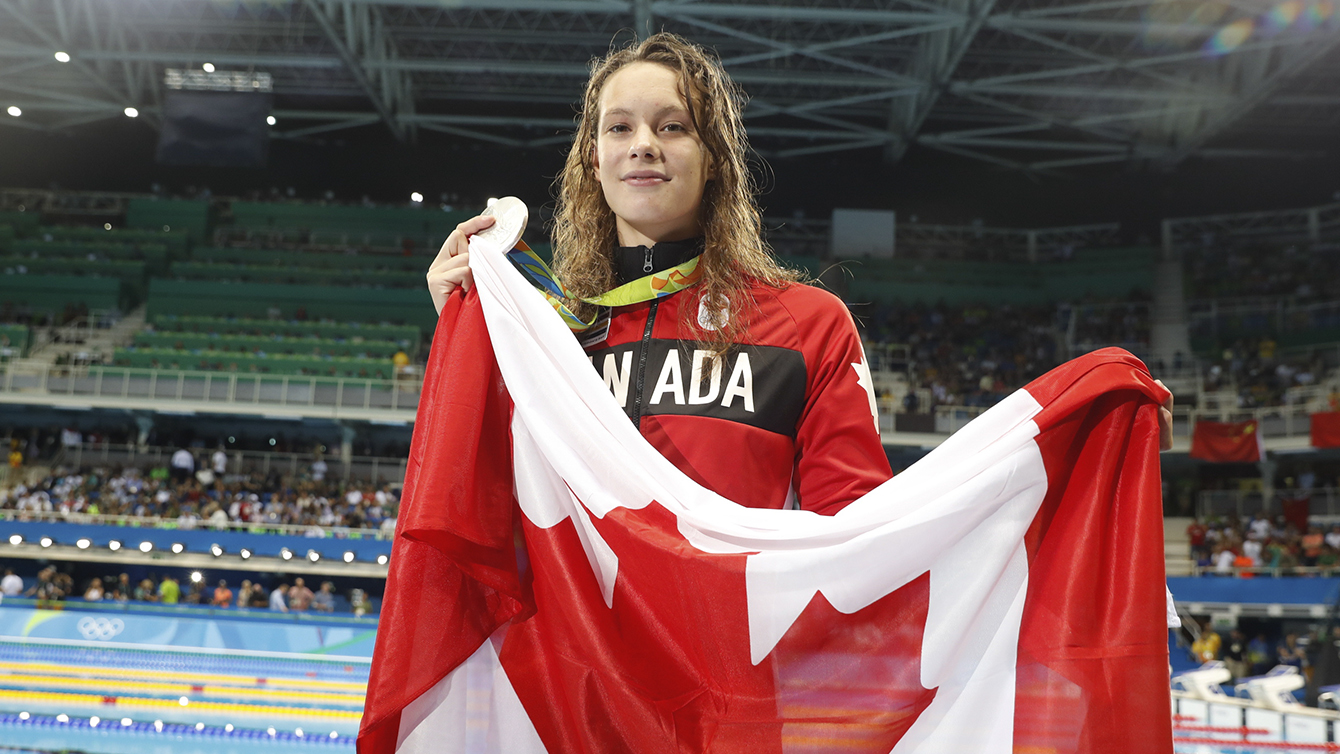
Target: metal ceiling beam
12, 9
1253, 93
937, 58
351, 62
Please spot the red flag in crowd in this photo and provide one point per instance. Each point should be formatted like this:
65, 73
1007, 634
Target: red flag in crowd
1326, 430
1226, 442
1006, 593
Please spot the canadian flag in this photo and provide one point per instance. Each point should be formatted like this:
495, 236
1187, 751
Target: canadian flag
557, 585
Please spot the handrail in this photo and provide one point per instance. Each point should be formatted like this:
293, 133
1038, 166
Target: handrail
259, 389
381, 469
196, 524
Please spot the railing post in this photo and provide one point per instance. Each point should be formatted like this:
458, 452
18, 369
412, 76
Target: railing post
181, 383
153, 384
283, 391
232, 387
311, 392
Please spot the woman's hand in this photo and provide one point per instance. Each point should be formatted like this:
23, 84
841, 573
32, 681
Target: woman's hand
451, 269
1165, 419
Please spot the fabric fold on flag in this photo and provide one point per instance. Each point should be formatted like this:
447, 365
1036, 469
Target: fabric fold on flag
1004, 594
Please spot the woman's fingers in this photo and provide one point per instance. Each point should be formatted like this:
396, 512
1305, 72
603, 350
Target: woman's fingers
1165, 419
451, 268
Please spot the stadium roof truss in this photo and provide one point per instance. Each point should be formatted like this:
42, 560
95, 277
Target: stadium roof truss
1034, 85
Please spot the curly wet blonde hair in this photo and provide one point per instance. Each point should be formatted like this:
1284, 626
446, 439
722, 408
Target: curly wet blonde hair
734, 252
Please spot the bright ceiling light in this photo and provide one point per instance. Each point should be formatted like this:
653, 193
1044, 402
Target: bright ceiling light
114, 545
245, 553
313, 555
285, 553
132, 112
382, 560
84, 543
16, 539
146, 546
348, 556
215, 550
270, 119
45, 541
196, 578
208, 67
178, 548
63, 57
416, 197
14, 111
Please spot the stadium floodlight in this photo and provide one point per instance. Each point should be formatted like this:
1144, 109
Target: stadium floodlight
207, 67
285, 553
382, 560
245, 553
348, 556
270, 119
114, 545
62, 57
313, 555
16, 539
196, 578
132, 112
416, 197
84, 543
215, 550
178, 548
45, 541
146, 546
14, 111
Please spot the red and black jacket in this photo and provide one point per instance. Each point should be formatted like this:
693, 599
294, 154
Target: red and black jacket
789, 412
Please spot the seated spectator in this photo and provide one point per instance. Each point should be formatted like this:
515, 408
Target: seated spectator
94, 592
279, 599
169, 592
223, 596
145, 592
323, 601
244, 594
1206, 648
11, 585
299, 596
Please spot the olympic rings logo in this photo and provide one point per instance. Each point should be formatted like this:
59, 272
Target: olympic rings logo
100, 628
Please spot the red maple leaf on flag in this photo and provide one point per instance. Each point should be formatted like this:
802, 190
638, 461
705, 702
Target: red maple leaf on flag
666, 666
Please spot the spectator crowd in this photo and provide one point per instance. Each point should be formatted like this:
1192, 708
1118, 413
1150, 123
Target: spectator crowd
199, 499
52, 585
1226, 546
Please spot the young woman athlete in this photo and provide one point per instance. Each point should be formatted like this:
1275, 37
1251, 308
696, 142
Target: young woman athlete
752, 383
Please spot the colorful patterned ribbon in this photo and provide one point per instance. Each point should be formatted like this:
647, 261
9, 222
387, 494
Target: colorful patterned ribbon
646, 288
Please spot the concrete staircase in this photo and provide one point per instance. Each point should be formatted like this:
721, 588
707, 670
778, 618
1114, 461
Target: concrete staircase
82, 342
1177, 547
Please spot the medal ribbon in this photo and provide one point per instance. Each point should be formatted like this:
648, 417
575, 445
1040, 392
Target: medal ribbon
653, 286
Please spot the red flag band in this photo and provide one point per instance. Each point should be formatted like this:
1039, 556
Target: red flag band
1326, 430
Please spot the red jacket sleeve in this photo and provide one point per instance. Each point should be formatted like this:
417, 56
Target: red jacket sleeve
839, 456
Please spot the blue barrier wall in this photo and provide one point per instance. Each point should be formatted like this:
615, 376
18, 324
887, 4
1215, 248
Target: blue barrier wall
236, 631
195, 540
1259, 591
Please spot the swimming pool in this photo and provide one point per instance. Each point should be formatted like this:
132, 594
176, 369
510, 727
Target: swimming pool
106, 699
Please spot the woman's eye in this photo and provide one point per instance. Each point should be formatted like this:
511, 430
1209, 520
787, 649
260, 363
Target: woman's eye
618, 128
673, 127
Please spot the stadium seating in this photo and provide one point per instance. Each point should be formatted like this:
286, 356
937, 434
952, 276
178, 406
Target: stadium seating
405, 335
53, 293
257, 344
276, 364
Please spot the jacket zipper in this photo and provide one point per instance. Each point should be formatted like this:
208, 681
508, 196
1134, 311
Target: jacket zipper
646, 265
642, 361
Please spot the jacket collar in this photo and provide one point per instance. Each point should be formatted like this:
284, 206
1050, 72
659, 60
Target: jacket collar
630, 262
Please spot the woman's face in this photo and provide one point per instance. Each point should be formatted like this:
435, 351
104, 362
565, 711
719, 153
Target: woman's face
650, 162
